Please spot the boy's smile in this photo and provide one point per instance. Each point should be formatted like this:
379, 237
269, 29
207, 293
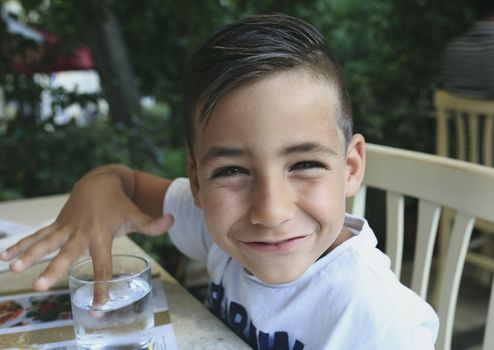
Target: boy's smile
271, 173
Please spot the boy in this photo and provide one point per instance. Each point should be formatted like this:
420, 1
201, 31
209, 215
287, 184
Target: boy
272, 159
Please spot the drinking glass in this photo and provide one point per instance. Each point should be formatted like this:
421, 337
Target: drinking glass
122, 316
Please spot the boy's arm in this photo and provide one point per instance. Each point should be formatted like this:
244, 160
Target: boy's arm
149, 192
107, 202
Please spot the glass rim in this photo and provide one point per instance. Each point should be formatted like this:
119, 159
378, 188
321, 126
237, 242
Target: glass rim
147, 266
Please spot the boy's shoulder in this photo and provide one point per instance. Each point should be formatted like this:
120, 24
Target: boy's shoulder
357, 265
360, 276
357, 269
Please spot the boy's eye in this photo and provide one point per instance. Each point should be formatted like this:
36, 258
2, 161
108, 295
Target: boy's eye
308, 164
228, 171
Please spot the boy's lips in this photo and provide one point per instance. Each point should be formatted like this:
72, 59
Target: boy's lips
275, 246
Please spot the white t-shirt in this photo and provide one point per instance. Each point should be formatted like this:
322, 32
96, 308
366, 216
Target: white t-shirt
348, 299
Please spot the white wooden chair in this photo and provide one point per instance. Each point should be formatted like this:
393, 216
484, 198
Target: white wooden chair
472, 144
436, 182
472, 121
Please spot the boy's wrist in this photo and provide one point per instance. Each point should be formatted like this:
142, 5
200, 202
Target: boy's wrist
111, 174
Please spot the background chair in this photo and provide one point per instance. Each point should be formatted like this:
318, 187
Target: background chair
436, 182
464, 130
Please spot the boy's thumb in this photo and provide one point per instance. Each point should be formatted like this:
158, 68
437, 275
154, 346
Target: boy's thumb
160, 225
153, 227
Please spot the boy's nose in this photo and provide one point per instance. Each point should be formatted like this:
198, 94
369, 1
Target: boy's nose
271, 204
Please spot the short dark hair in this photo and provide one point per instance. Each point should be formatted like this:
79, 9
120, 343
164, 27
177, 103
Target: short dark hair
252, 48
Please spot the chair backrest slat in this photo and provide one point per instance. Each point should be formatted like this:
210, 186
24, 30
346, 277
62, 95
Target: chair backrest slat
473, 128
488, 141
448, 292
460, 137
442, 134
428, 221
395, 217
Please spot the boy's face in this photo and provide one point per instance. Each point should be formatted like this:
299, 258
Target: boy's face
271, 174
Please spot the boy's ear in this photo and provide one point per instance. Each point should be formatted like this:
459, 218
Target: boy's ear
355, 165
193, 180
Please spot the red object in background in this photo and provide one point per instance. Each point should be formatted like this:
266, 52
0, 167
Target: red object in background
33, 60
79, 59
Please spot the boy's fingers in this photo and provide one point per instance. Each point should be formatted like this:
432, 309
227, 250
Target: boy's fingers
38, 250
102, 265
21, 246
101, 294
59, 265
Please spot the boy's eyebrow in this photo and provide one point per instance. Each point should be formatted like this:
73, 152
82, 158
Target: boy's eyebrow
222, 152
226, 152
309, 147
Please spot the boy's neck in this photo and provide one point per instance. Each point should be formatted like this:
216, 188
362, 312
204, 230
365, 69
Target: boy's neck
342, 237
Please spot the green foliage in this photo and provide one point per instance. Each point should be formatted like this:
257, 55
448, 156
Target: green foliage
47, 158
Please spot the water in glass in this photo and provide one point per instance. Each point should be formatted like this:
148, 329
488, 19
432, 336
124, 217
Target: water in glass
124, 322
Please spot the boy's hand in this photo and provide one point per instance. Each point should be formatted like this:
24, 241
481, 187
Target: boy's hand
97, 210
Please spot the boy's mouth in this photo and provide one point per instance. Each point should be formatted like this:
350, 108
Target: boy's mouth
278, 246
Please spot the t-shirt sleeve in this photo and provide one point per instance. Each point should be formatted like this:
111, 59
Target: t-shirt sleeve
188, 233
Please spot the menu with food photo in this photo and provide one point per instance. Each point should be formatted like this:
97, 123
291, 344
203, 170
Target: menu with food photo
46, 319
19, 313
164, 339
